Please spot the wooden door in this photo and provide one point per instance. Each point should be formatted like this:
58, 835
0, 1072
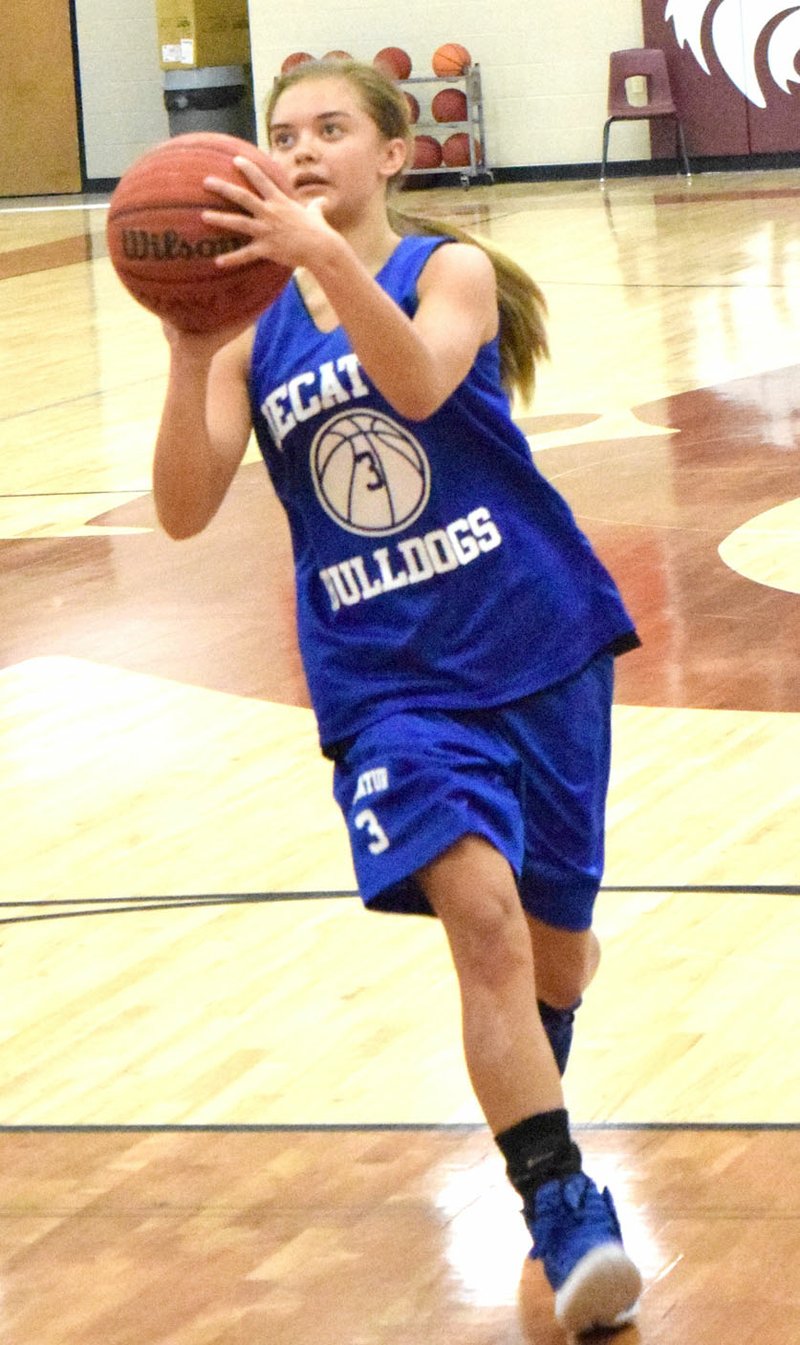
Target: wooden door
39, 146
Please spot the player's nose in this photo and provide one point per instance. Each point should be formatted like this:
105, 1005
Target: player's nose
304, 147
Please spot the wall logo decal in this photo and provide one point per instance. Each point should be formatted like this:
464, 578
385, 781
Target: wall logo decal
738, 29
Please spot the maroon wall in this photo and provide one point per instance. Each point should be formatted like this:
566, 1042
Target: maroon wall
718, 119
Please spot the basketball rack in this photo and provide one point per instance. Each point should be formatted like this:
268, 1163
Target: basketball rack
478, 166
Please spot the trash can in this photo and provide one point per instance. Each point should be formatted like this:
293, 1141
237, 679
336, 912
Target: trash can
210, 98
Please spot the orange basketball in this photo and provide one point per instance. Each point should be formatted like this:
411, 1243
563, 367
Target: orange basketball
296, 58
451, 59
449, 105
162, 250
427, 152
455, 150
337, 56
394, 62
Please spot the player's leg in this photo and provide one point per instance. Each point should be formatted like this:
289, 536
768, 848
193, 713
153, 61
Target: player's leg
512, 1067
472, 889
563, 737
565, 961
435, 824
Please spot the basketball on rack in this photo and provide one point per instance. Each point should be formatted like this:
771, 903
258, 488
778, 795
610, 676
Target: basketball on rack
163, 251
427, 152
296, 58
449, 105
413, 107
455, 150
394, 62
337, 56
451, 59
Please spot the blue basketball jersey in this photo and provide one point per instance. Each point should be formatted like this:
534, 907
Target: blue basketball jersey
435, 565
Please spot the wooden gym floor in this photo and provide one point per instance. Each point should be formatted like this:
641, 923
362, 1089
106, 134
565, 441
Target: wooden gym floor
233, 1106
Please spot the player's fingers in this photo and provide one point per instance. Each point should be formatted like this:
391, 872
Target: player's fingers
316, 207
250, 252
257, 177
236, 223
229, 191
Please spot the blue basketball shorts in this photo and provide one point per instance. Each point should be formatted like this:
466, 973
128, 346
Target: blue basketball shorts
531, 777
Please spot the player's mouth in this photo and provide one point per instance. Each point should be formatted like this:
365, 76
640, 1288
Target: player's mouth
309, 181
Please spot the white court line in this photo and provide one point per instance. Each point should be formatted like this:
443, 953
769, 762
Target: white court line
43, 209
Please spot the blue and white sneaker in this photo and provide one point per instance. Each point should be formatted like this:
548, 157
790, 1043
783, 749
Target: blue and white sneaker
576, 1235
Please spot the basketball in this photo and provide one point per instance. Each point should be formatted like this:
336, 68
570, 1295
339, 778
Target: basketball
451, 59
162, 250
337, 56
413, 108
296, 58
427, 152
449, 105
393, 61
455, 150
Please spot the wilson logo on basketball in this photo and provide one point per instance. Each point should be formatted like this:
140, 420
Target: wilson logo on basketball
370, 474
140, 245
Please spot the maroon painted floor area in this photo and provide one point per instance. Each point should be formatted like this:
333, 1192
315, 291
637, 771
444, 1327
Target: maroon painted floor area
217, 611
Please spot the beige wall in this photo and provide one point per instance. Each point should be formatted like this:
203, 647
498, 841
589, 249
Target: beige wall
121, 83
544, 63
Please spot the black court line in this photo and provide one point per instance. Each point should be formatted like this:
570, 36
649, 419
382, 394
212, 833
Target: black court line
746, 889
175, 899
64, 494
381, 1127
74, 401
72, 908
657, 285
135, 905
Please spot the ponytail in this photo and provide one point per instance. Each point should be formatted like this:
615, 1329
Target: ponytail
521, 304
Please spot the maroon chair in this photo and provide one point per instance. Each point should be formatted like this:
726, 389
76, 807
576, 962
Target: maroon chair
651, 63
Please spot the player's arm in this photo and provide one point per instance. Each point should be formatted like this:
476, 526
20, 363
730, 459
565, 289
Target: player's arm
417, 363
204, 430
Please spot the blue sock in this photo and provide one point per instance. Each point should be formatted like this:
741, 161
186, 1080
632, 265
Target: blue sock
559, 1025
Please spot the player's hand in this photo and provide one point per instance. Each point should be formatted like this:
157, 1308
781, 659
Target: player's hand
279, 227
201, 347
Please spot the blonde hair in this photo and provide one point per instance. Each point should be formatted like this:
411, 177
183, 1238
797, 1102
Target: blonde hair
521, 304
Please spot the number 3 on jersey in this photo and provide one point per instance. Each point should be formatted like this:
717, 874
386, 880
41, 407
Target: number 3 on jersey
379, 841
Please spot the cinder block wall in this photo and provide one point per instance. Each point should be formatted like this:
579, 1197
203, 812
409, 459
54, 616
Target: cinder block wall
544, 64
544, 68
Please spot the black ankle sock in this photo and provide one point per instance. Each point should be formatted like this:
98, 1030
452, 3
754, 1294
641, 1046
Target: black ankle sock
538, 1150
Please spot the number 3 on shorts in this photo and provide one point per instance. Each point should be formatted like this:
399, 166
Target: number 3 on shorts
380, 841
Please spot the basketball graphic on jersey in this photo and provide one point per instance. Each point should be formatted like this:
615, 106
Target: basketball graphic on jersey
370, 474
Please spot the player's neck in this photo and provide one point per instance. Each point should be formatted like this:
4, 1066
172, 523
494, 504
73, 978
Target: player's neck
378, 251
371, 237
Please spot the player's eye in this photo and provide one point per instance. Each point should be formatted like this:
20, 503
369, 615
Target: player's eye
281, 139
331, 129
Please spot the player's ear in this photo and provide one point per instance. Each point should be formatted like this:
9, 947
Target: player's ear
394, 156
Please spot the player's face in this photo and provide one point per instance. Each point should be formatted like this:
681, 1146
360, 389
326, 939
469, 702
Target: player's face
329, 146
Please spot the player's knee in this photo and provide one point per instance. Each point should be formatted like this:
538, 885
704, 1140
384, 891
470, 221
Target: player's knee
472, 889
487, 936
561, 992
564, 973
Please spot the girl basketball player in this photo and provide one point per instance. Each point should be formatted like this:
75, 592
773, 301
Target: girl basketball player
457, 631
